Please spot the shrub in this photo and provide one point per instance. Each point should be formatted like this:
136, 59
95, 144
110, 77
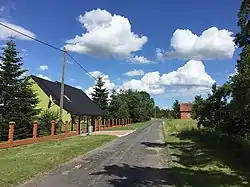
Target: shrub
44, 121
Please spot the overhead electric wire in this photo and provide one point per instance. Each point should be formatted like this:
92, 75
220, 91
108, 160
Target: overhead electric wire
30, 37
49, 45
72, 58
69, 55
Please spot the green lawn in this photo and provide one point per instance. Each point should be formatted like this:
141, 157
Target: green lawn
201, 158
21, 163
127, 127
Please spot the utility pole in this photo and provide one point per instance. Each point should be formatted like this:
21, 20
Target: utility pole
62, 86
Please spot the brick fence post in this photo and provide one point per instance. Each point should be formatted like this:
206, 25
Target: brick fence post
66, 127
96, 128
35, 123
52, 130
11, 132
99, 124
77, 127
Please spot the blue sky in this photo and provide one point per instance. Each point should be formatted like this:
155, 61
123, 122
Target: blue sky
117, 37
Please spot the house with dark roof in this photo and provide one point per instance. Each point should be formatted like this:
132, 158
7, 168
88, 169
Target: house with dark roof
75, 103
185, 110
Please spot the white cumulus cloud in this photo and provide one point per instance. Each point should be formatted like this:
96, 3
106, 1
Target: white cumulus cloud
134, 72
96, 74
106, 35
6, 33
44, 67
107, 84
191, 76
211, 44
139, 60
44, 77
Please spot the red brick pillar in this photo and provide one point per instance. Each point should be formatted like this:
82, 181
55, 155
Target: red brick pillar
11, 132
96, 128
99, 124
52, 130
104, 123
66, 127
77, 127
35, 129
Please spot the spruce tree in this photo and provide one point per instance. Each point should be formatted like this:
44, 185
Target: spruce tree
100, 94
176, 110
17, 101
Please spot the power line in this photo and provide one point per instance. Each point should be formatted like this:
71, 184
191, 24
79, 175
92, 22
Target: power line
70, 56
49, 45
30, 37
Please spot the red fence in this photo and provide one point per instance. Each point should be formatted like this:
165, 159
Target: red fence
105, 124
99, 125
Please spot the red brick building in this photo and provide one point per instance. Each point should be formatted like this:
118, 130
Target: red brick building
185, 110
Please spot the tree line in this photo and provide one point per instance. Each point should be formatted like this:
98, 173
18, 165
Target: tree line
227, 108
124, 104
137, 105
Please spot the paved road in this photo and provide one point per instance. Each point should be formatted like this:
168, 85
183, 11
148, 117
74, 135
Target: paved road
133, 160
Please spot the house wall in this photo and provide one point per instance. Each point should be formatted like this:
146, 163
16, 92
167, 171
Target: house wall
44, 101
185, 115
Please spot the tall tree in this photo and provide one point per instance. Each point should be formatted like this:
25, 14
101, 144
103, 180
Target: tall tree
242, 38
17, 99
100, 94
140, 104
123, 111
176, 110
114, 105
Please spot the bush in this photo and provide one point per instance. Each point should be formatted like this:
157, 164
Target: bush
44, 121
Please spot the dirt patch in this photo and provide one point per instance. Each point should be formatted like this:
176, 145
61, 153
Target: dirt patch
114, 133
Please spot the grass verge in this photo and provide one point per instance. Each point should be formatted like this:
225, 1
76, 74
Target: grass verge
201, 158
127, 127
21, 163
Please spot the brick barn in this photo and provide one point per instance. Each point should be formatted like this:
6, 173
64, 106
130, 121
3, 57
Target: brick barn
185, 110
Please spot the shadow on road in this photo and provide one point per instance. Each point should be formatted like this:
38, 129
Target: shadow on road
131, 176
153, 144
193, 163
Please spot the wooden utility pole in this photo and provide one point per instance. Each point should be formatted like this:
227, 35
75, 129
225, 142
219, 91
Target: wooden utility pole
62, 86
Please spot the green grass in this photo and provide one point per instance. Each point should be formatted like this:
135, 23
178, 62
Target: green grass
127, 127
201, 158
21, 163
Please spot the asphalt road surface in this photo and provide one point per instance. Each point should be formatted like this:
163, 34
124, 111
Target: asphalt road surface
134, 160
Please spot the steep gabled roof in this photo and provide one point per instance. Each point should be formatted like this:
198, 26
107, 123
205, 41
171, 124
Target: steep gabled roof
75, 100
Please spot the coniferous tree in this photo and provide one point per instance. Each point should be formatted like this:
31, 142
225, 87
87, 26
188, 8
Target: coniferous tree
176, 110
17, 101
100, 94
